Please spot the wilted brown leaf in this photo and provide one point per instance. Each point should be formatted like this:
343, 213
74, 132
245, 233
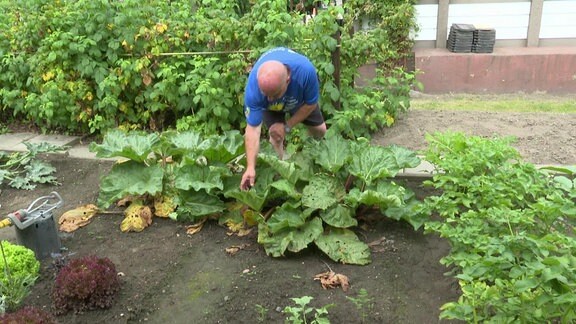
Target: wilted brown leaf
330, 279
195, 228
235, 248
126, 201
146, 78
76, 218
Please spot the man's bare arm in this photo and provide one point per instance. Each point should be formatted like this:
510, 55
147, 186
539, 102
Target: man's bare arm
252, 145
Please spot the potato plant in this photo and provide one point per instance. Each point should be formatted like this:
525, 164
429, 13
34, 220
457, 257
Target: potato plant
511, 229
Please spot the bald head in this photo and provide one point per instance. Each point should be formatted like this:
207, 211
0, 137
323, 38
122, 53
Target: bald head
273, 78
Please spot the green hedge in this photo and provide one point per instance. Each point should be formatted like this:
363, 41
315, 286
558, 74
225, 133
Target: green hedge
86, 66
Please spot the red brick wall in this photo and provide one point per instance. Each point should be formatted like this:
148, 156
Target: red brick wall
506, 70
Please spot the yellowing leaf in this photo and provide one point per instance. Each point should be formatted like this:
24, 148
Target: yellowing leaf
161, 27
76, 218
164, 206
138, 217
48, 76
251, 217
238, 228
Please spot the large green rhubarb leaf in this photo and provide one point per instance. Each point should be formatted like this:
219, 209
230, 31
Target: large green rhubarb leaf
189, 142
287, 170
342, 245
130, 178
372, 163
133, 146
339, 216
372, 198
305, 235
276, 245
293, 240
403, 157
225, 147
288, 216
332, 153
195, 204
253, 198
305, 164
411, 212
199, 177
286, 187
256, 196
322, 192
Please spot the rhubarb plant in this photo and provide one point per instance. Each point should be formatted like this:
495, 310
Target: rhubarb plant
311, 198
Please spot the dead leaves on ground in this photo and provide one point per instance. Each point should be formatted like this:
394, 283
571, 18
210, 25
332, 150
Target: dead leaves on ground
76, 218
195, 228
236, 248
331, 279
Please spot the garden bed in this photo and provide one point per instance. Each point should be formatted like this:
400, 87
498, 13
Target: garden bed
170, 276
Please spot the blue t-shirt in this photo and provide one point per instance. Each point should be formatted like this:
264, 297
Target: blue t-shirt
302, 89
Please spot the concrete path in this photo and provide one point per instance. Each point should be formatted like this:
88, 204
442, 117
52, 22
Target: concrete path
75, 147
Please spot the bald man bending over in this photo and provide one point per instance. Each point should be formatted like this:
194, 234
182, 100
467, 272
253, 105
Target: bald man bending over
281, 82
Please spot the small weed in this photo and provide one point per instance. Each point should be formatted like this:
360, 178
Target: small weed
262, 312
4, 129
298, 313
364, 304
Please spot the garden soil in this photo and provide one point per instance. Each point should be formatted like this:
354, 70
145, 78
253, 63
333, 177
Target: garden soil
169, 276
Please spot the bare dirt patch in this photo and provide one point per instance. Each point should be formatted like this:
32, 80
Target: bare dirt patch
172, 277
541, 138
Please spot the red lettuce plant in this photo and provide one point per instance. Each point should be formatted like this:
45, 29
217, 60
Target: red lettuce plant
85, 283
28, 315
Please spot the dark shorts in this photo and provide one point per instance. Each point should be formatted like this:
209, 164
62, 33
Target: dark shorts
314, 119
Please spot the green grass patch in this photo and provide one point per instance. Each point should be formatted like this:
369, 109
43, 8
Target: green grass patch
496, 103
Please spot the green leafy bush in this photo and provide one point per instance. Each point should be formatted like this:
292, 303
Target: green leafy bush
85, 283
28, 315
511, 229
88, 66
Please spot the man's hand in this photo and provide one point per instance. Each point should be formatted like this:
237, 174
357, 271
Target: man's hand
248, 179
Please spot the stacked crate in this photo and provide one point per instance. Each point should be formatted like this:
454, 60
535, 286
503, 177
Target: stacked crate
468, 38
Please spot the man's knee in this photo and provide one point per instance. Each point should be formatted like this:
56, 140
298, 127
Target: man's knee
317, 131
276, 136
